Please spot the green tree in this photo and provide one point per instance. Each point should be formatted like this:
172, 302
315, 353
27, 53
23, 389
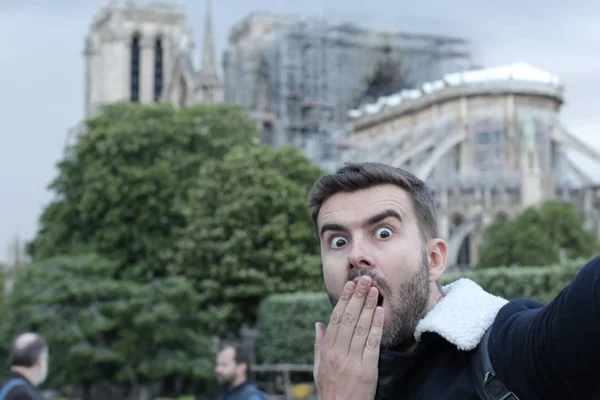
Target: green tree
249, 233
99, 328
538, 236
119, 187
565, 227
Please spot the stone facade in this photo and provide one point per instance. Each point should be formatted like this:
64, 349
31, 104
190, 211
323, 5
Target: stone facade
143, 52
489, 142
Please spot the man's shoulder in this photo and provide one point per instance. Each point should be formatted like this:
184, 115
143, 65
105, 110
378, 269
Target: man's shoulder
513, 309
14, 388
256, 394
510, 327
13, 383
252, 392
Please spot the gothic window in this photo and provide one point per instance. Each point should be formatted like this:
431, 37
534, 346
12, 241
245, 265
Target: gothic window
457, 220
135, 69
501, 216
158, 69
487, 142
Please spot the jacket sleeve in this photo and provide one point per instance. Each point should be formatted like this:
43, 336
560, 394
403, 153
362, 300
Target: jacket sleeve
552, 351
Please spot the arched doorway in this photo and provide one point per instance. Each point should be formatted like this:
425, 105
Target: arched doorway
464, 252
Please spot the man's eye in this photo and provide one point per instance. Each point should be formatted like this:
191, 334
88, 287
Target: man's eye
338, 242
383, 233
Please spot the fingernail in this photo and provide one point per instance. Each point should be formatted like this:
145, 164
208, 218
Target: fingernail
378, 310
365, 281
372, 293
349, 286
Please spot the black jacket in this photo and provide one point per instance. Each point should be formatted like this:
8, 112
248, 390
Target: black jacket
246, 391
541, 352
23, 391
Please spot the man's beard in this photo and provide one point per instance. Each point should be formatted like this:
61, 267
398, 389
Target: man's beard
226, 381
408, 302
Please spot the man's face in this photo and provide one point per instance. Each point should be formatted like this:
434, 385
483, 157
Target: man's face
42, 368
227, 370
375, 232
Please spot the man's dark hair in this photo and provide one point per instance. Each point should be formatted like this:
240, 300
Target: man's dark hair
240, 355
25, 350
357, 176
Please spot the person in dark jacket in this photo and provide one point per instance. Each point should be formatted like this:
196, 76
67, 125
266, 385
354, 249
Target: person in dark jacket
232, 371
28, 361
395, 333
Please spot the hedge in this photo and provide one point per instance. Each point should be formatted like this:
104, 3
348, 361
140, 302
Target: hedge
540, 283
286, 321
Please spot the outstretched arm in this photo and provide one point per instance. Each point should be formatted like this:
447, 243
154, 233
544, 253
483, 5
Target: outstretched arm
553, 351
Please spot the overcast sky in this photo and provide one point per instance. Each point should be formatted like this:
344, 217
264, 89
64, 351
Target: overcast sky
41, 68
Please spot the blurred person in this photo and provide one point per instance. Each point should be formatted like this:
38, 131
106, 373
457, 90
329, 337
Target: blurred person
28, 360
232, 371
396, 333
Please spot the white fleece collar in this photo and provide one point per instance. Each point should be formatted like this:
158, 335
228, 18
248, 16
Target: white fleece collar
463, 315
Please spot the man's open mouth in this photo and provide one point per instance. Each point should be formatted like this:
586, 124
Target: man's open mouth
380, 300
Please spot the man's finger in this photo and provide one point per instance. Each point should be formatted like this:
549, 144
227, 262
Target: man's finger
363, 327
319, 335
336, 316
371, 353
351, 315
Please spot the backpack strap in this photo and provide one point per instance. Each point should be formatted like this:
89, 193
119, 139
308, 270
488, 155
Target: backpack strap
10, 385
487, 384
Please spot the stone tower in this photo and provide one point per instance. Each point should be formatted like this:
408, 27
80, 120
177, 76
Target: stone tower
210, 89
143, 52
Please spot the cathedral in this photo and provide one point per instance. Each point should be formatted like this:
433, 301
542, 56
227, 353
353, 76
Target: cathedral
296, 76
489, 141
143, 52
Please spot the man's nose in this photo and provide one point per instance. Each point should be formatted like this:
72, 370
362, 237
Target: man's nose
359, 256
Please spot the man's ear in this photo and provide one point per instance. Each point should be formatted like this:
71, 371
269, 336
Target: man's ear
437, 255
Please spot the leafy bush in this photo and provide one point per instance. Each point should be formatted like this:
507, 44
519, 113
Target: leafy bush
248, 233
538, 235
103, 329
542, 283
286, 321
120, 186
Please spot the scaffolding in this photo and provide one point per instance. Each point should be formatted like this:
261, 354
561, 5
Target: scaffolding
314, 71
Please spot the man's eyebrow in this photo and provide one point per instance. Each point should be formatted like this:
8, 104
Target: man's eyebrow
333, 227
383, 215
370, 221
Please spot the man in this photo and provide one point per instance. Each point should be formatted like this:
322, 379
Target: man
233, 368
396, 334
28, 360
